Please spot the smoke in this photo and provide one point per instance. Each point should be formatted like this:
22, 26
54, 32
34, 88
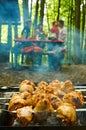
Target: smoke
75, 47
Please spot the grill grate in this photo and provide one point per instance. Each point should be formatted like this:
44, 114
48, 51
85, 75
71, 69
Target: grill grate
6, 93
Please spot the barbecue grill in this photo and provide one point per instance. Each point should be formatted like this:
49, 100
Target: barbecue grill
6, 119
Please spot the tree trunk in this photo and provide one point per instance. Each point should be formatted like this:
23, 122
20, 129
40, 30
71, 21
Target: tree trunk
25, 10
36, 13
47, 17
59, 5
30, 13
77, 32
70, 34
0, 31
83, 25
42, 11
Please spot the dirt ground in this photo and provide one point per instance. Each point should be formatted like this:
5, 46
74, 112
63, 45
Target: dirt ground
12, 77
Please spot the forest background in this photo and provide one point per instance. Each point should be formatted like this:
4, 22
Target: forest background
73, 12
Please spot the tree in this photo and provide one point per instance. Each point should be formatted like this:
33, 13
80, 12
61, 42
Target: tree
25, 10
59, 5
42, 5
36, 13
77, 32
72, 11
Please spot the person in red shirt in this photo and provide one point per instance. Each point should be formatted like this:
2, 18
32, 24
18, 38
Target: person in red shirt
54, 29
58, 50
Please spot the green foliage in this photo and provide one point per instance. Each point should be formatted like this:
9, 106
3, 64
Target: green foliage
5, 32
50, 14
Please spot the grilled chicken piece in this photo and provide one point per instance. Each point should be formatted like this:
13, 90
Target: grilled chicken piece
45, 98
75, 98
55, 84
54, 100
41, 85
26, 85
27, 96
24, 115
54, 90
16, 102
38, 95
20, 100
50, 89
67, 113
43, 105
59, 93
67, 86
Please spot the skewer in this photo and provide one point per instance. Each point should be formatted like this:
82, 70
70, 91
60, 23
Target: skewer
16, 87
8, 92
5, 110
77, 110
80, 87
82, 90
6, 87
81, 109
3, 98
5, 104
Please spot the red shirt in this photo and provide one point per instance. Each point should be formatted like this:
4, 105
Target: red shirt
55, 30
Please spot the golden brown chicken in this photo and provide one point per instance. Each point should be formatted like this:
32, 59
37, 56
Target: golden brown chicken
67, 113
43, 109
25, 95
45, 98
50, 89
55, 83
67, 86
37, 97
75, 98
43, 105
41, 85
54, 90
26, 85
16, 102
60, 93
54, 100
24, 115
